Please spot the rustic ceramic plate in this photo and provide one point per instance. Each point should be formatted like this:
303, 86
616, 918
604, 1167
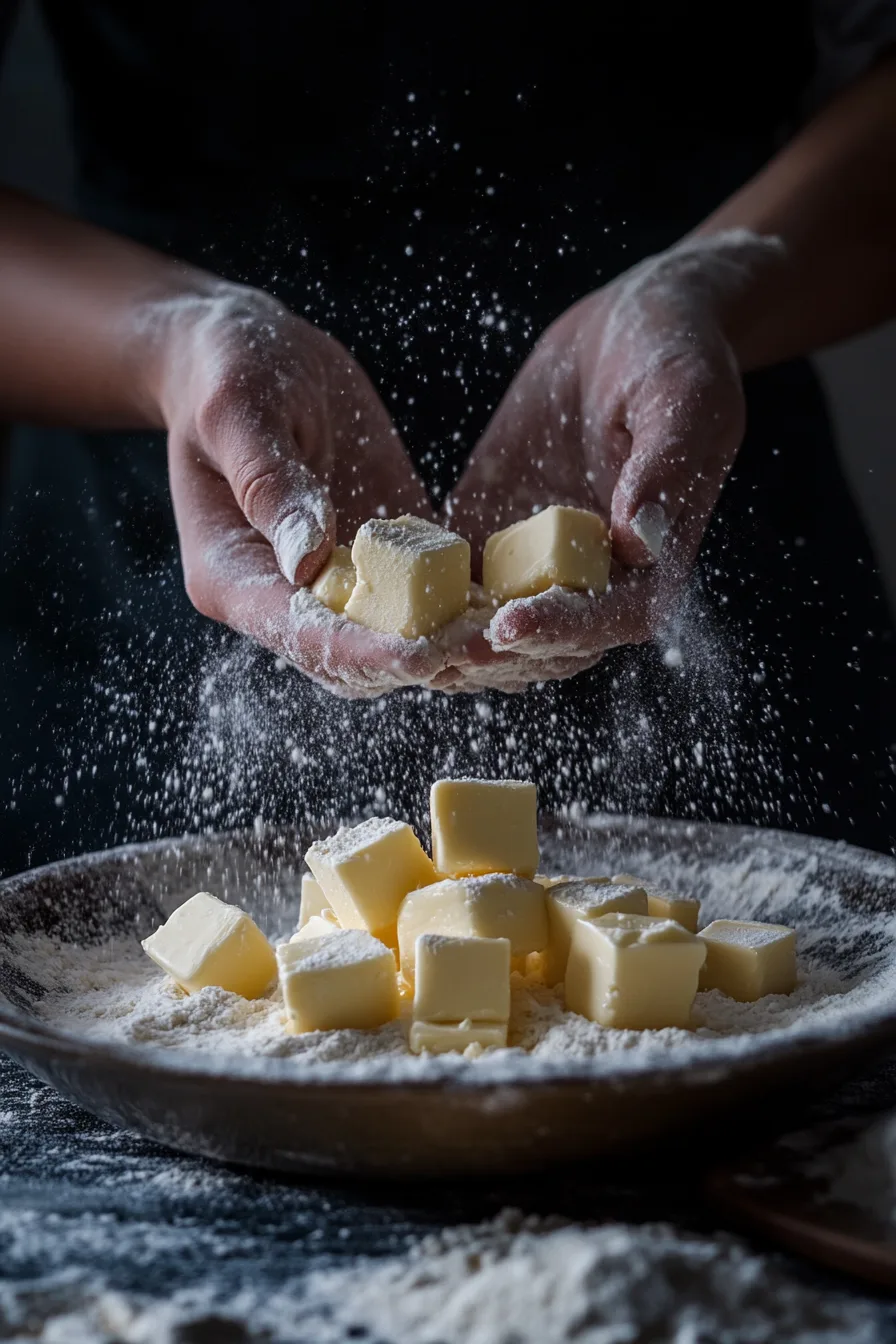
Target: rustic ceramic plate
487, 1118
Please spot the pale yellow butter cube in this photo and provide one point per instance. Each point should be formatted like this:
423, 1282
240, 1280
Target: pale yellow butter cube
313, 902
484, 826
747, 960
437, 1038
457, 978
666, 904
548, 882
499, 905
344, 980
583, 898
318, 926
335, 583
633, 972
559, 545
413, 576
207, 942
366, 871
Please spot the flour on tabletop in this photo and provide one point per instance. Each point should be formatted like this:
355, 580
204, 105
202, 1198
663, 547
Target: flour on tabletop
513, 1280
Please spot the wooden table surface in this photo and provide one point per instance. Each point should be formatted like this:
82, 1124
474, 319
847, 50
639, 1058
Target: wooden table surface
108, 1206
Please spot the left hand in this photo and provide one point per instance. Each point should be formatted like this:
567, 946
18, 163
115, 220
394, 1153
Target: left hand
630, 405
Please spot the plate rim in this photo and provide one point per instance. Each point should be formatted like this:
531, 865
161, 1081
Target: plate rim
874, 1028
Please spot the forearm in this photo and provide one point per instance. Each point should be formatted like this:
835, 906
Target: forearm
831, 197
82, 316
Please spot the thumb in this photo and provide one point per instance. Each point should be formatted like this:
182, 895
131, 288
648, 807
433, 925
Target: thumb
277, 493
686, 426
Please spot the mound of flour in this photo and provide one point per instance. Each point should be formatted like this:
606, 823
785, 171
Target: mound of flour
112, 992
513, 1280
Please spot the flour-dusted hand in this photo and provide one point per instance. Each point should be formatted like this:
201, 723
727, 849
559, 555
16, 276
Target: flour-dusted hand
278, 444
630, 405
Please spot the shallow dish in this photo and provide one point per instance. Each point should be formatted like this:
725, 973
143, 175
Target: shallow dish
505, 1114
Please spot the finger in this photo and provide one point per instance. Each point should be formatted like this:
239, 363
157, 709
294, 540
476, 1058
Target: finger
253, 447
560, 623
686, 423
232, 576
522, 459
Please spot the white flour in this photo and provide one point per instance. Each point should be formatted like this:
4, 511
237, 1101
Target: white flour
114, 993
110, 990
510, 1281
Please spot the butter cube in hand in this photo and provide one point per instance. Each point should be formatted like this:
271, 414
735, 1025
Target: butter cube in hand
484, 826
366, 871
207, 942
666, 904
499, 905
747, 960
335, 583
313, 901
458, 978
413, 577
438, 1038
559, 545
633, 972
346, 979
583, 898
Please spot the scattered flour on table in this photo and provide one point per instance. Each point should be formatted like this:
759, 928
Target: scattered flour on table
112, 992
859, 1171
513, 1280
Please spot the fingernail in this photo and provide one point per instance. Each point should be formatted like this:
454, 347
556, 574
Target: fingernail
298, 535
650, 525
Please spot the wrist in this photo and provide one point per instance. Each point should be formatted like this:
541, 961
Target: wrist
168, 329
742, 276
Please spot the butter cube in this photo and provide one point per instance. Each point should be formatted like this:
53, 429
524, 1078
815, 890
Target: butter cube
313, 902
318, 926
335, 583
633, 972
366, 871
583, 898
207, 942
484, 826
747, 960
457, 978
346, 979
548, 882
499, 905
440, 1037
413, 576
665, 904
561, 545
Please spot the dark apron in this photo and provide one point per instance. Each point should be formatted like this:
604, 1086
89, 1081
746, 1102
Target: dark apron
271, 157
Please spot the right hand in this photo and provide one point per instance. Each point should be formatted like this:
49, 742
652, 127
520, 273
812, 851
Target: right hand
279, 446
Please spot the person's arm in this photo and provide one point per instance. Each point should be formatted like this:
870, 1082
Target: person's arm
637, 387
84, 315
830, 197
277, 441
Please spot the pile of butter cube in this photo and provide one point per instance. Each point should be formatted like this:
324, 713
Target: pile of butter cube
407, 576
382, 924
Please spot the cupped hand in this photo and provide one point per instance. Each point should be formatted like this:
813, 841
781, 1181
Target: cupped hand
278, 447
630, 405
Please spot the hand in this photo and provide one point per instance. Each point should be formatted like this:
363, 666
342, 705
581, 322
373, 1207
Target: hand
630, 405
279, 446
